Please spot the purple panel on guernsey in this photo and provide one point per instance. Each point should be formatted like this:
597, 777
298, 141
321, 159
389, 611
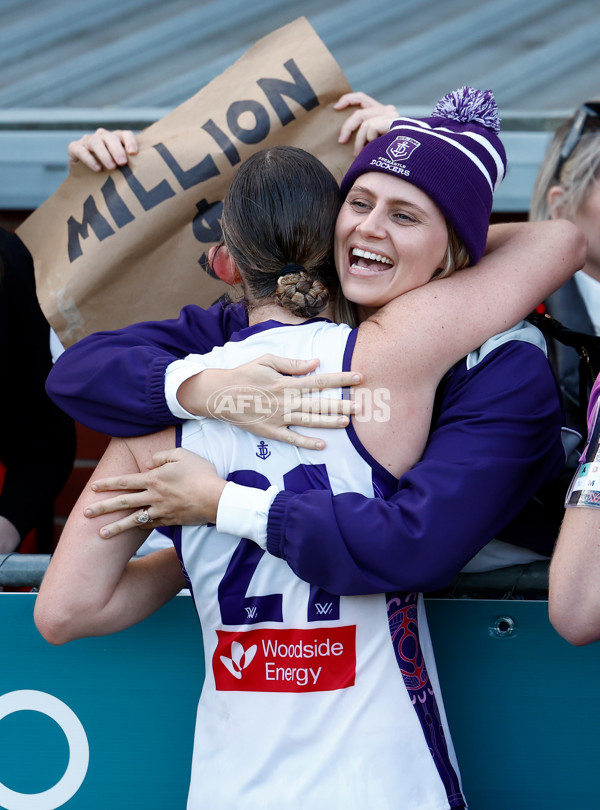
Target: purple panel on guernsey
402, 612
264, 326
384, 483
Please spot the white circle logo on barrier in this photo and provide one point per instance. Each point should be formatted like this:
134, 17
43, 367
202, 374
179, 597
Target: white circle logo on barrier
79, 750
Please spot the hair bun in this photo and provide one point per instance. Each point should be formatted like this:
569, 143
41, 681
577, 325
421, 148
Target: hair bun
302, 294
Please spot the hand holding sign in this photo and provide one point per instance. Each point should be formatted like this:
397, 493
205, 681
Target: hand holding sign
103, 149
113, 249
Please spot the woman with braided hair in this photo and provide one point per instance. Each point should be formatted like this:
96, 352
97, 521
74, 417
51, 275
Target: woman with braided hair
312, 699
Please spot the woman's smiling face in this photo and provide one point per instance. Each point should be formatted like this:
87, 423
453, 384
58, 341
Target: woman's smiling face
390, 238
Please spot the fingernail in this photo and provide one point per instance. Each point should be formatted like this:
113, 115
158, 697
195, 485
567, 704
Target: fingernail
104, 533
319, 445
95, 487
87, 512
356, 378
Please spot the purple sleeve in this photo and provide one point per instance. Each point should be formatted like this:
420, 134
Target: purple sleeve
593, 404
495, 440
113, 382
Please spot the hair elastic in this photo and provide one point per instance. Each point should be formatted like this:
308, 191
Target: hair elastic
290, 268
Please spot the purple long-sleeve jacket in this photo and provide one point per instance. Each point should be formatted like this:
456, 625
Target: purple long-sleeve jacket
495, 441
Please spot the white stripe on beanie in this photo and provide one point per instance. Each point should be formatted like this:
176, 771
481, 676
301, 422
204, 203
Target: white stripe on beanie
418, 126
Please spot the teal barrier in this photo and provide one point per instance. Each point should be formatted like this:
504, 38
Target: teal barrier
133, 693
108, 722
523, 705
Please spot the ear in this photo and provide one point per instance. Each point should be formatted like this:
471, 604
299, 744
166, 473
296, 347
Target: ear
223, 266
554, 199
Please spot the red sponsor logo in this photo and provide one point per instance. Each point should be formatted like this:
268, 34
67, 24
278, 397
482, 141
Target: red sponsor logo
268, 660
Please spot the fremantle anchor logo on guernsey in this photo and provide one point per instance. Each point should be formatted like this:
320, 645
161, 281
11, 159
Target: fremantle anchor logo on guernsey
298, 660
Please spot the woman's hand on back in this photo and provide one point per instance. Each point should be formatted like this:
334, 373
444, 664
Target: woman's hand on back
269, 395
179, 489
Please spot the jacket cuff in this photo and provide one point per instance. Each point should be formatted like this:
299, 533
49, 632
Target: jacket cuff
276, 524
155, 392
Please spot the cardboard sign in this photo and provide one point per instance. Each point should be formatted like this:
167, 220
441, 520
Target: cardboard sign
114, 248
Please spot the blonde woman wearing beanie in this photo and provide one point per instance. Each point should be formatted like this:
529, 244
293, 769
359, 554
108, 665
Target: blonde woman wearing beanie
312, 699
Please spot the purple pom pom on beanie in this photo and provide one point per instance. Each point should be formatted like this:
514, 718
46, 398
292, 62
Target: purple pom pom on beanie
455, 157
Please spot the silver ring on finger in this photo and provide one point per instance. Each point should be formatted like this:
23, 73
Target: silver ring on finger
144, 517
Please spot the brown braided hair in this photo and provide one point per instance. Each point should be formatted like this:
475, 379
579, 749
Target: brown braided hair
302, 294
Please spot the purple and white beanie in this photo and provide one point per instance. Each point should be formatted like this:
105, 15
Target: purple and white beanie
455, 157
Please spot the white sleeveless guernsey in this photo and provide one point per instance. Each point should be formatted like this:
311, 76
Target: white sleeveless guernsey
310, 700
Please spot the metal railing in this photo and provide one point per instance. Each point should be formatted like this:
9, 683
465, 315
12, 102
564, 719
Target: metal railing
22, 570
528, 581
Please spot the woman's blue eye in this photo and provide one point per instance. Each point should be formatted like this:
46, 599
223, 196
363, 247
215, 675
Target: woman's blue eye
358, 204
404, 217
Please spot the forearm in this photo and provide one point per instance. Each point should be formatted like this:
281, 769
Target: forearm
194, 394
574, 586
90, 587
499, 234
145, 586
502, 233
533, 240
574, 595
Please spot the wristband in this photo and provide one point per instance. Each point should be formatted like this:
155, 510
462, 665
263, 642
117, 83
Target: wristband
585, 486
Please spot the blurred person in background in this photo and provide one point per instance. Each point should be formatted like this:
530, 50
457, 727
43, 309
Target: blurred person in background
37, 439
567, 187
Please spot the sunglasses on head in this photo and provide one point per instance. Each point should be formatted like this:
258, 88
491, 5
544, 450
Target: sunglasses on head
591, 109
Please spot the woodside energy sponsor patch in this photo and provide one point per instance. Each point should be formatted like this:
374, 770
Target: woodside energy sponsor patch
296, 660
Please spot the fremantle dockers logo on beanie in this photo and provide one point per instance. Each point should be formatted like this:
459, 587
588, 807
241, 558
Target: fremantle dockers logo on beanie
402, 148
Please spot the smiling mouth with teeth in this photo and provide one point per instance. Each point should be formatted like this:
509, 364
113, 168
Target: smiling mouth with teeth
365, 260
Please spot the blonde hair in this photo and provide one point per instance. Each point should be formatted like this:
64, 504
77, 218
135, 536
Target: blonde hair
576, 176
456, 258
